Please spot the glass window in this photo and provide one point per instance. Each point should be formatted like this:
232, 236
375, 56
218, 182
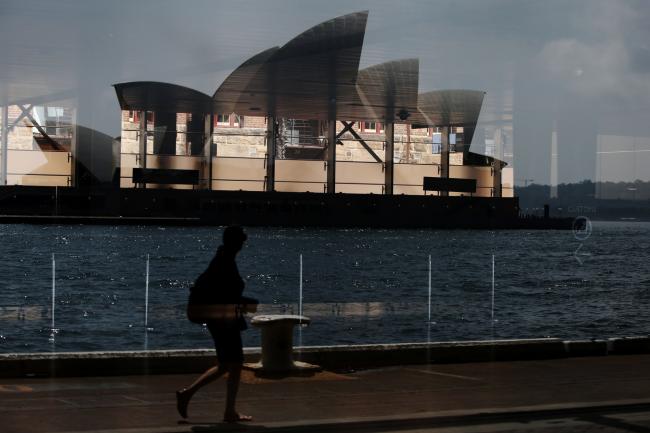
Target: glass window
223, 120
230, 120
371, 126
570, 83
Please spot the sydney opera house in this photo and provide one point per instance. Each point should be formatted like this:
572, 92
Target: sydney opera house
297, 134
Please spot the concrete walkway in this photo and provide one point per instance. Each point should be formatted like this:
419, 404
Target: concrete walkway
599, 394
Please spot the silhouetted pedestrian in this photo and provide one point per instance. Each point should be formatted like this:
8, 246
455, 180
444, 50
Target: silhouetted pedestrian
216, 299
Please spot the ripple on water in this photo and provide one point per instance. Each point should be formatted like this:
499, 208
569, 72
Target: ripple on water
540, 289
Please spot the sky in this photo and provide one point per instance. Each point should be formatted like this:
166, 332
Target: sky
559, 74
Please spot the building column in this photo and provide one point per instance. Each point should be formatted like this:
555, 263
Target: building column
389, 129
444, 156
74, 146
496, 178
143, 142
497, 164
5, 145
331, 156
271, 147
208, 126
214, 148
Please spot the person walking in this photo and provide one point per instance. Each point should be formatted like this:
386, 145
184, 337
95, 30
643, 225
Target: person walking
217, 293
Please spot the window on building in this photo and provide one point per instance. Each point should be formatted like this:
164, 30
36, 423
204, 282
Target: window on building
375, 127
134, 116
436, 142
222, 120
368, 126
227, 120
431, 131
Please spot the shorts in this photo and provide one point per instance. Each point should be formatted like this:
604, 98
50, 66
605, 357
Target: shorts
227, 342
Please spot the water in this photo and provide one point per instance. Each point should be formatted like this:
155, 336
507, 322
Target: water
359, 286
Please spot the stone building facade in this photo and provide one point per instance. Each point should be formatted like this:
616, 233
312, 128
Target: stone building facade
244, 137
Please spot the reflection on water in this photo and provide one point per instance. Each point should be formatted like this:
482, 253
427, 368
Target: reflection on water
358, 286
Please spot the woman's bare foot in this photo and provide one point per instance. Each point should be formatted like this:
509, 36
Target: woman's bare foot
236, 417
182, 400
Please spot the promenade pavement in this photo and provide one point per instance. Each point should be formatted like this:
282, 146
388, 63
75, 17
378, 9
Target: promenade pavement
595, 394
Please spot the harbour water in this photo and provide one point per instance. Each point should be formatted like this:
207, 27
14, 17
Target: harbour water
359, 286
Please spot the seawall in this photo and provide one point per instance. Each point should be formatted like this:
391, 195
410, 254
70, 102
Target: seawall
337, 358
41, 205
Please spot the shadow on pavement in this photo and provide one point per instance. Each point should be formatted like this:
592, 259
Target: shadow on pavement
615, 423
595, 415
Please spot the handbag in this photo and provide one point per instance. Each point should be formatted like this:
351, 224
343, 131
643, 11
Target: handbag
223, 313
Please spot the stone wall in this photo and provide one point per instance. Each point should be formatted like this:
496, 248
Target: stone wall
247, 140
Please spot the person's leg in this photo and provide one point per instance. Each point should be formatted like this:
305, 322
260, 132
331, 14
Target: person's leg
184, 396
210, 375
234, 377
234, 367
